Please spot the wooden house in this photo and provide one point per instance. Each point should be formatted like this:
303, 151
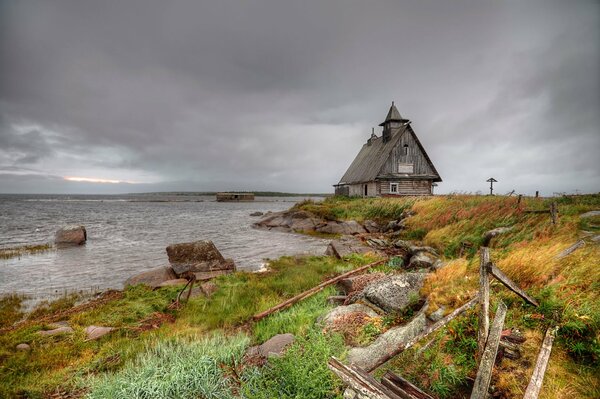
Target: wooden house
235, 197
390, 165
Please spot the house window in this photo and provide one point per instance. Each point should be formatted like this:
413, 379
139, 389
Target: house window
405, 149
394, 188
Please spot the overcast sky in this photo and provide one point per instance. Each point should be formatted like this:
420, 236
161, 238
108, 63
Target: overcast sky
280, 95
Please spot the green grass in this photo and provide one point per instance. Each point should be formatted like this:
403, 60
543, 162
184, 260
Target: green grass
300, 373
176, 369
359, 209
14, 252
11, 309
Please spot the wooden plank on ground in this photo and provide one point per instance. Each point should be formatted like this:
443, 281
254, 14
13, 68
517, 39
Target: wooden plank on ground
571, 249
484, 300
486, 364
402, 387
432, 328
360, 381
314, 290
533, 389
503, 278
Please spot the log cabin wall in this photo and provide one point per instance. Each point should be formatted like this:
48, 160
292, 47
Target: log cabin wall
407, 187
411, 154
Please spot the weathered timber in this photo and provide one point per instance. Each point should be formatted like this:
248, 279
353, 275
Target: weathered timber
571, 249
554, 212
432, 328
508, 283
487, 237
403, 387
536, 211
484, 373
519, 199
313, 290
484, 300
510, 350
360, 381
533, 389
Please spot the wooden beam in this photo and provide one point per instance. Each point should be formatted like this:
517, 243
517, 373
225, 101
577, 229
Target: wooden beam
484, 373
432, 328
314, 290
487, 237
484, 300
508, 283
360, 381
533, 389
571, 249
536, 211
403, 387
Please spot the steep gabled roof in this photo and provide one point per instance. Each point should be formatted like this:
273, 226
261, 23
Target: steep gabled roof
370, 159
393, 116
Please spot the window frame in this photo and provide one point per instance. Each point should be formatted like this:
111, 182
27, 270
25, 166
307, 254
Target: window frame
391, 188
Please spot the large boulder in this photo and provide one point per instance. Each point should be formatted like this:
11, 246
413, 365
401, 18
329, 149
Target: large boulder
153, 277
198, 256
396, 292
421, 260
96, 332
346, 246
56, 331
371, 355
71, 235
350, 227
289, 221
372, 226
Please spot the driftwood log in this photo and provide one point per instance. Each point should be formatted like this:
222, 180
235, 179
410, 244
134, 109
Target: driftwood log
533, 389
432, 328
314, 290
403, 388
488, 358
508, 283
484, 300
360, 381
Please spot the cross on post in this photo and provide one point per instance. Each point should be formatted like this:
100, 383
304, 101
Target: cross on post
492, 181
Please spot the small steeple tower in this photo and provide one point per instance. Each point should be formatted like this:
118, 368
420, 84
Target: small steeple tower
393, 121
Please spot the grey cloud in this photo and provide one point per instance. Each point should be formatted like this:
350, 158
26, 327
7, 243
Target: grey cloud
281, 95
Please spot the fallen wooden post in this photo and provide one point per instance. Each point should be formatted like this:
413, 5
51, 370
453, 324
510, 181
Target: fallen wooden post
402, 387
432, 328
508, 283
536, 211
571, 249
484, 300
488, 358
360, 381
533, 389
314, 290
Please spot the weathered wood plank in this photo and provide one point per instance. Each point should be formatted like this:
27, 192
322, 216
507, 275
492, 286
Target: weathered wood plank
313, 290
487, 237
508, 283
360, 381
571, 249
484, 300
537, 378
398, 384
432, 328
484, 373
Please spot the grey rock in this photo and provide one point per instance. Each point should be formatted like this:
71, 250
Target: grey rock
96, 332
174, 282
71, 235
421, 260
350, 227
346, 246
372, 226
438, 314
340, 311
377, 243
396, 292
369, 356
595, 238
197, 256
256, 214
56, 331
208, 288
404, 245
23, 347
590, 214
273, 347
152, 278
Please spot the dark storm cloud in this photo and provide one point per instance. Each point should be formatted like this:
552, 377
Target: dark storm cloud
281, 95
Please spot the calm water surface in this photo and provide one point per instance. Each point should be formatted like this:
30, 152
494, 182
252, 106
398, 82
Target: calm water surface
129, 234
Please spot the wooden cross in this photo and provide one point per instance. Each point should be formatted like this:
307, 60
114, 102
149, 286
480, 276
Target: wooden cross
492, 181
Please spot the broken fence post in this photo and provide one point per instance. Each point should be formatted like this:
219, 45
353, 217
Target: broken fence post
403, 387
484, 300
508, 283
554, 212
533, 389
488, 358
360, 381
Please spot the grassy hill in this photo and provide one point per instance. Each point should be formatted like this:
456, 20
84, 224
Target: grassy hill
197, 350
